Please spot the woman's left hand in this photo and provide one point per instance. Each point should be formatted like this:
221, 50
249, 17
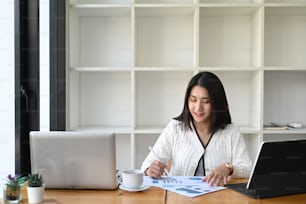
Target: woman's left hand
218, 177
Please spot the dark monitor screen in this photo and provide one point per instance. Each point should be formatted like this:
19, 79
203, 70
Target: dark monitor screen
280, 168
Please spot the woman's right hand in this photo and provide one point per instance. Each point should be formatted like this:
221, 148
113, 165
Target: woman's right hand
156, 169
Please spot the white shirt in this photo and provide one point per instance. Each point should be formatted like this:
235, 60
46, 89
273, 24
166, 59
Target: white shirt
183, 148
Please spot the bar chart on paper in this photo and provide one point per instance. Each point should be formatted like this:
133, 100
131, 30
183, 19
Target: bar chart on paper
190, 186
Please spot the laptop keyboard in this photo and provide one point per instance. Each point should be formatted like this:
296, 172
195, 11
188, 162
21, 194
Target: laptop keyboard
237, 185
241, 188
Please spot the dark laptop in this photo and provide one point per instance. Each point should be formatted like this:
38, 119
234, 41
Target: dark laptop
280, 169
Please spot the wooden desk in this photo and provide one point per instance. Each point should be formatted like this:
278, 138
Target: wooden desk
151, 196
155, 196
229, 196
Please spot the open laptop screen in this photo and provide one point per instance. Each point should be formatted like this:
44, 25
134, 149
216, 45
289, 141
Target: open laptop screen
74, 159
280, 169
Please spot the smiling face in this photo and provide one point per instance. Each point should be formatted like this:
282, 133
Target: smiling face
205, 103
200, 105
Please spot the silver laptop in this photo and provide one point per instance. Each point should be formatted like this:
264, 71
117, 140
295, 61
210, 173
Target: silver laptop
74, 159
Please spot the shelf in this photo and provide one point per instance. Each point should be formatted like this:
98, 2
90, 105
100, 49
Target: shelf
164, 1
102, 37
249, 130
284, 102
142, 146
252, 142
100, 10
107, 103
124, 157
286, 132
95, 7
286, 2
164, 5
149, 129
243, 90
73, 2
229, 1
164, 37
111, 128
285, 42
100, 69
231, 68
164, 68
286, 68
156, 100
283, 136
129, 62
230, 37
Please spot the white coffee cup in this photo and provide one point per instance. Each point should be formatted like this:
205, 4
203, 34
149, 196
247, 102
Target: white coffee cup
132, 178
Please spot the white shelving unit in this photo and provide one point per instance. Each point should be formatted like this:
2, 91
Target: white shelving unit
129, 62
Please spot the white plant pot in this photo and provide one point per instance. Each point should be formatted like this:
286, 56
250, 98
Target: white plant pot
35, 194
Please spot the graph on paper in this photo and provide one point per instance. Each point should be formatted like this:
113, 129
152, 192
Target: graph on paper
190, 186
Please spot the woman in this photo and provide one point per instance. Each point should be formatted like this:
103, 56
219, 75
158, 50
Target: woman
201, 141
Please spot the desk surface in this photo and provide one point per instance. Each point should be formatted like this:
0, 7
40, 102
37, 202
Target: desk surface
156, 195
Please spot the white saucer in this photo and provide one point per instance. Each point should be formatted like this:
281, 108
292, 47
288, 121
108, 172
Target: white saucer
142, 188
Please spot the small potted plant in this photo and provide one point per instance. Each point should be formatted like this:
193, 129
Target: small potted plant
35, 188
11, 191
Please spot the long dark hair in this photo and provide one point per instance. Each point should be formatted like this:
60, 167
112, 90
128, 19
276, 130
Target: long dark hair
220, 117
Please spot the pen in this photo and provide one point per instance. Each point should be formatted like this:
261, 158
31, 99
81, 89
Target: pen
150, 148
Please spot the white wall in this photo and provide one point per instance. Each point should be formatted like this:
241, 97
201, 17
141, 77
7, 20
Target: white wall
7, 101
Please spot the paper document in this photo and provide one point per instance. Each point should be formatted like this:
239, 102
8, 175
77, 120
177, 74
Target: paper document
190, 186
